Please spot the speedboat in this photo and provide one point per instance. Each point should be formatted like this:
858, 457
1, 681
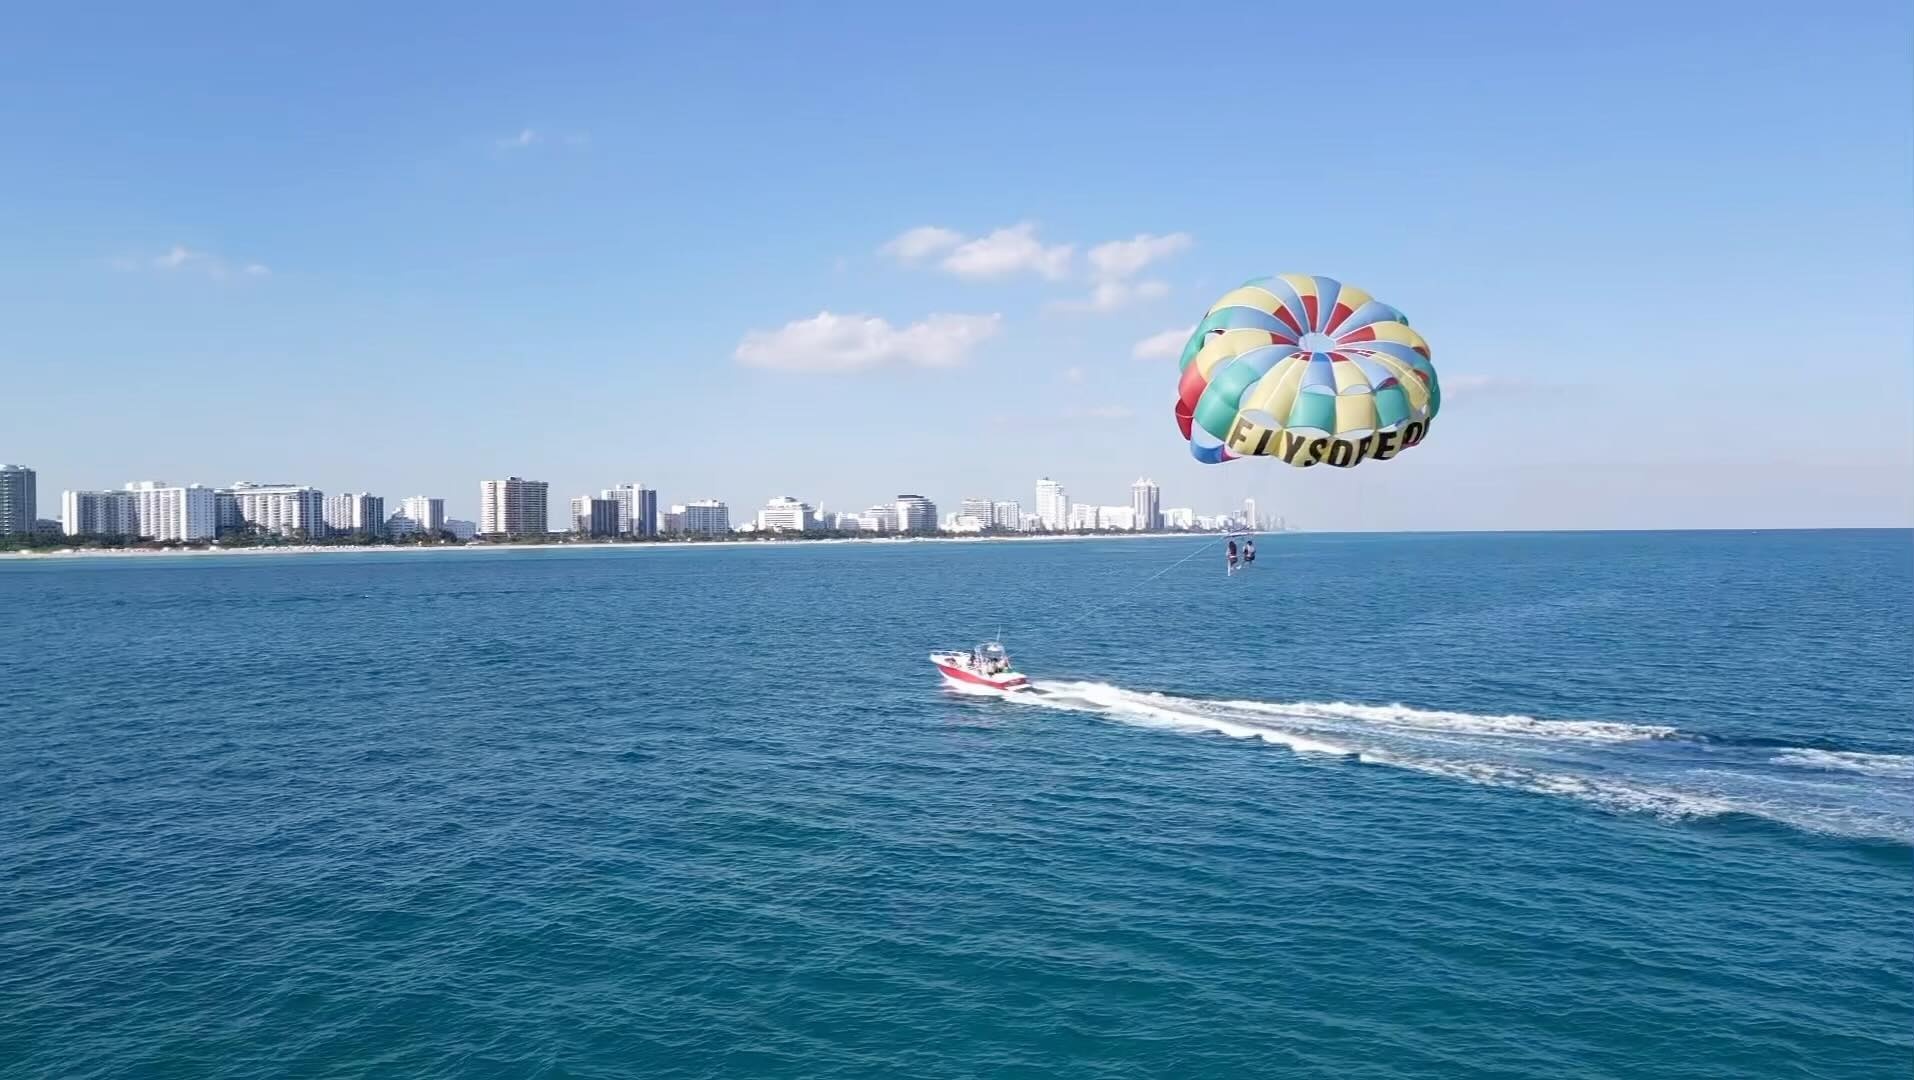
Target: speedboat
986, 667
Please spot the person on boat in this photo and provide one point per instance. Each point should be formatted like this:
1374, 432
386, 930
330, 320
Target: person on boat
1232, 556
1249, 552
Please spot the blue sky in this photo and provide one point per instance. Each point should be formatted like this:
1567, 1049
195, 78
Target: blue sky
1662, 252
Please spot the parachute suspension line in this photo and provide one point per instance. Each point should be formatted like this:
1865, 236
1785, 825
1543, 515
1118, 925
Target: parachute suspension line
1096, 606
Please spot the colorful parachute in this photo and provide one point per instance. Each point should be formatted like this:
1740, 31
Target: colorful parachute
1306, 370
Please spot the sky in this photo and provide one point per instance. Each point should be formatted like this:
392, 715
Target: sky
1663, 253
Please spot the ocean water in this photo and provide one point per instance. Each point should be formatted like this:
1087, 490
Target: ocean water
1622, 805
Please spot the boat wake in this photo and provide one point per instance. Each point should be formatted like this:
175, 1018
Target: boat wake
1633, 768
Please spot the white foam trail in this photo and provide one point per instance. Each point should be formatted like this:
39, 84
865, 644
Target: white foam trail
1664, 803
1512, 724
1636, 768
1158, 710
1848, 761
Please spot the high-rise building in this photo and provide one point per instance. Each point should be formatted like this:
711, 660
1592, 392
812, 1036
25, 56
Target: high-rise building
916, 514
1082, 516
402, 525
1250, 521
672, 522
351, 514
785, 514
1179, 517
1053, 505
146, 510
19, 500
1146, 505
460, 529
97, 513
621, 498
281, 509
338, 515
977, 508
513, 507
1007, 516
879, 518
1117, 517
427, 513
707, 517
637, 509
593, 516
226, 519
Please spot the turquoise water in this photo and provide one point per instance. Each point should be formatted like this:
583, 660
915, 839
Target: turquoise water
1633, 805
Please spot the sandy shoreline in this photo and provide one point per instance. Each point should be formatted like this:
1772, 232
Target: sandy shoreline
653, 545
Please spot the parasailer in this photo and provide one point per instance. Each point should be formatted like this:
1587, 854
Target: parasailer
1307, 370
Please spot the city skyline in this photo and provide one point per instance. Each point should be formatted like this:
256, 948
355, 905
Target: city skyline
457, 268
449, 508
516, 507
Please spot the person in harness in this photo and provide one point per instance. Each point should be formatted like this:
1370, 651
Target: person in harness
1231, 556
1249, 552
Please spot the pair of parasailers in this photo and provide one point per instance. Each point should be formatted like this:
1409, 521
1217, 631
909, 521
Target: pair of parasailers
1249, 554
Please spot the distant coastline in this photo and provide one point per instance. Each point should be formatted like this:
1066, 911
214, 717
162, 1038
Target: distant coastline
596, 545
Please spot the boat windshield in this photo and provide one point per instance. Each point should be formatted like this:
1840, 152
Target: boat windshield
991, 658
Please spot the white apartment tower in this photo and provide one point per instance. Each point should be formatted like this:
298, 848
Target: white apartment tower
427, 514
1007, 516
513, 507
1146, 505
916, 514
707, 517
276, 508
147, 510
637, 509
352, 514
1053, 506
785, 514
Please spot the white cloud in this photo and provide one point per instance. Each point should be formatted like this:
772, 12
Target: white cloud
1167, 345
1112, 295
912, 245
525, 137
1113, 264
1011, 250
832, 343
1075, 374
1123, 258
180, 259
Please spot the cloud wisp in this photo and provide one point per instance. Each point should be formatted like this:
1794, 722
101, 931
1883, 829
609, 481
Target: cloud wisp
180, 259
527, 138
1125, 258
835, 344
1001, 253
1114, 265
1167, 345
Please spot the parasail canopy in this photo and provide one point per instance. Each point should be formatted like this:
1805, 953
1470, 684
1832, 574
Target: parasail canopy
1307, 370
